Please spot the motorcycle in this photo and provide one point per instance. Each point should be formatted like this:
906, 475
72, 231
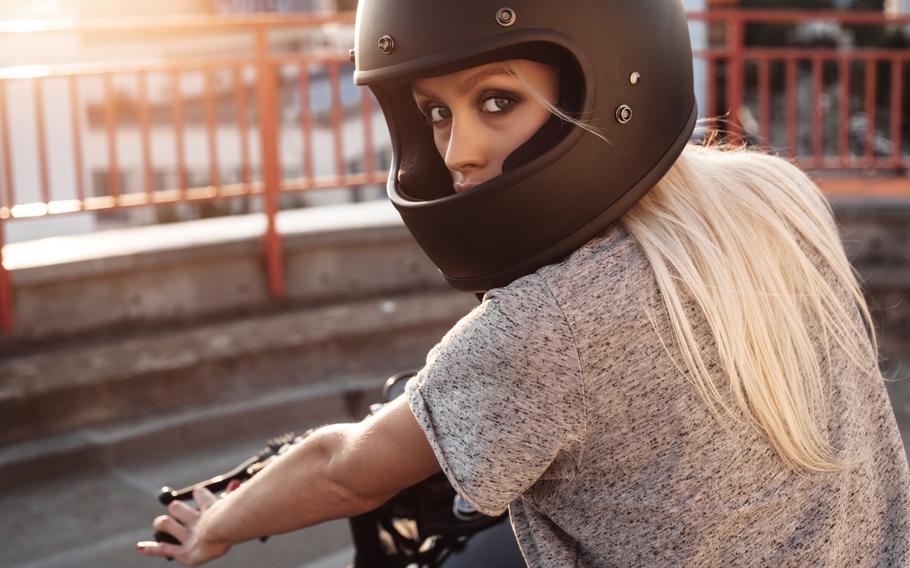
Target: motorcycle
425, 526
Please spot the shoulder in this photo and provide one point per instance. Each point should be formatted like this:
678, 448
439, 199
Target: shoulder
610, 267
517, 334
542, 307
526, 309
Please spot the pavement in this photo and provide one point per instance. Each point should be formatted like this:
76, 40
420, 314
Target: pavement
94, 518
92, 514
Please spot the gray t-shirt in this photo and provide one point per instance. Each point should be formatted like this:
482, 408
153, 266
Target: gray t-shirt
556, 398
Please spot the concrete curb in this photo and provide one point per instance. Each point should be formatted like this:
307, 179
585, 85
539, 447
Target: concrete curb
102, 448
146, 377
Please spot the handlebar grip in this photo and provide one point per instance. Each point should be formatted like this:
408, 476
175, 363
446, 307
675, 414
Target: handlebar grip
161, 536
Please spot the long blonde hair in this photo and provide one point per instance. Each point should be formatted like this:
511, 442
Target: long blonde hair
749, 238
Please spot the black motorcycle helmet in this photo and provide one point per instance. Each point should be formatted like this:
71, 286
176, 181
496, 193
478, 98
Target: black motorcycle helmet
625, 66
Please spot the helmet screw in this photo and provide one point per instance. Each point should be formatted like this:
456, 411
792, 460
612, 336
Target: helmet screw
506, 17
624, 114
635, 77
387, 44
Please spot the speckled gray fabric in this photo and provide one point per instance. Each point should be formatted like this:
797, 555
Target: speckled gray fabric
556, 398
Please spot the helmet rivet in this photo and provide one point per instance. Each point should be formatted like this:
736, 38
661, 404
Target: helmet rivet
387, 44
635, 77
624, 114
506, 17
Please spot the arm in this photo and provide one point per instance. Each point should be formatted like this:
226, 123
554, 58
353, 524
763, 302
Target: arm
338, 471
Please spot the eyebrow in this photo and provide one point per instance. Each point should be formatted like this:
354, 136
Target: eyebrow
469, 83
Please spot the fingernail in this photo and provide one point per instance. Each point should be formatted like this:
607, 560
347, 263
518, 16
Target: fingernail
140, 548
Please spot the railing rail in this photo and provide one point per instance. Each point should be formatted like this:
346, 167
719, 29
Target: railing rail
739, 86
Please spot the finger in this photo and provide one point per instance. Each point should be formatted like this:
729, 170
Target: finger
183, 513
171, 527
158, 549
204, 498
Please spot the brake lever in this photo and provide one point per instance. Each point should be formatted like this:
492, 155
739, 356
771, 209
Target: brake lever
220, 483
241, 473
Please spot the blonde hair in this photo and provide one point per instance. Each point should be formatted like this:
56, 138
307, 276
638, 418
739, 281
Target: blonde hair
750, 238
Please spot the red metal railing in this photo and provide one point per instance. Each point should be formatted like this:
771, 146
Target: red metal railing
739, 84
741, 62
268, 108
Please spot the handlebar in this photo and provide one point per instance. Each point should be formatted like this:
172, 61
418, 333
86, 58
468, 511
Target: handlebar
422, 526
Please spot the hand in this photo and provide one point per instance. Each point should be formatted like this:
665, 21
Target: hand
183, 523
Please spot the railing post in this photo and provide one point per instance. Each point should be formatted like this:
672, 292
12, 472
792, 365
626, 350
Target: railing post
269, 107
6, 290
736, 46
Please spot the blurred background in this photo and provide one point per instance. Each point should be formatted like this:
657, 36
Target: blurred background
196, 253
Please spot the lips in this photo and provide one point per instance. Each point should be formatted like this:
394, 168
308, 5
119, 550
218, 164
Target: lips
459, 186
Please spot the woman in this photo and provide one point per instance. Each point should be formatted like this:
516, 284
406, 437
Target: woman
670, 364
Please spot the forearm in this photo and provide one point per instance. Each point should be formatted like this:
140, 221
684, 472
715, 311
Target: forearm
295, 491
337, 471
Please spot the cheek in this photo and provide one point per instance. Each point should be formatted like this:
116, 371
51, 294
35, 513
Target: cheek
535, 117
521, 128
442, 143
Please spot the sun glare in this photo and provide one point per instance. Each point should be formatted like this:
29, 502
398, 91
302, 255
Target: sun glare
22, 26
25, 71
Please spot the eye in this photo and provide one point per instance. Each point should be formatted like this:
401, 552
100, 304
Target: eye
437, 114
497, 104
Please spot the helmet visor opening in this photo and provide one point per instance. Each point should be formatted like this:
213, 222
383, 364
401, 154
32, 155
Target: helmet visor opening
420, 173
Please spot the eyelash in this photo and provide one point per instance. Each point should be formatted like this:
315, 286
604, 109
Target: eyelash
513, 100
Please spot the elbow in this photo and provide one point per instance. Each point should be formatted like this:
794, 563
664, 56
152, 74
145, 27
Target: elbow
343, 480
345, 499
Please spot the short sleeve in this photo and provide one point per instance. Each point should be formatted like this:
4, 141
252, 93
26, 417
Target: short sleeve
501, 398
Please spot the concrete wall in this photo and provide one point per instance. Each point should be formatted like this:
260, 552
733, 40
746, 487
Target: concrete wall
209, 268
215, 268
876, 235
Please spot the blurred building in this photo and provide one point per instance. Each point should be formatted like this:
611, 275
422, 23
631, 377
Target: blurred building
44, 9
898, 6
68, 9
247, 6
698, 32
799, 5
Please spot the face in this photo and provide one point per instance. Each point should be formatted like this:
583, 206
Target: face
481, 115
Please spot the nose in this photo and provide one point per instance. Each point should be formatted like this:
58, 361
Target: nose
467, 150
